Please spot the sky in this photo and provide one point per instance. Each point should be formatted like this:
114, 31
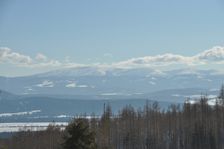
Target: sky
43, 35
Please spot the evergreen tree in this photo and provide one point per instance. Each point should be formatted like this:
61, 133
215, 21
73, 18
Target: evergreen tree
79, 136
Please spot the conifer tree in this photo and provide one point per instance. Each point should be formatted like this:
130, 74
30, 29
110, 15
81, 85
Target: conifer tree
79, 136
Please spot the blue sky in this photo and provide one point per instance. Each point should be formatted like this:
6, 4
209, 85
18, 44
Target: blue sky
100, 31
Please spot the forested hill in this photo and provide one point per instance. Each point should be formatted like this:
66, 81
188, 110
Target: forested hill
195, 126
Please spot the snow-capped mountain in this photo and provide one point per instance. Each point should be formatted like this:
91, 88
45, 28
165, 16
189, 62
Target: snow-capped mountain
111, 82
86, 90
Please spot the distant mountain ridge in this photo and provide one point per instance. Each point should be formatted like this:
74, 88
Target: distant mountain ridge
7, 96
59, 95
95, 81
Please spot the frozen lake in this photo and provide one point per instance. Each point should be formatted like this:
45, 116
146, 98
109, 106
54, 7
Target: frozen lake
36, 126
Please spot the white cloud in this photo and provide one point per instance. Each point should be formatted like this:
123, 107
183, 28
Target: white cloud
46, 83
41, 57
158, 60
7, 56
214, 55
15, 58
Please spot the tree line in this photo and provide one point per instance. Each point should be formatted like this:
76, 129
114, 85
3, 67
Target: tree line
187, 126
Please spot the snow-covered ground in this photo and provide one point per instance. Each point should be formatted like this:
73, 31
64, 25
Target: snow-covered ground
212, 100
19, 113
15, 127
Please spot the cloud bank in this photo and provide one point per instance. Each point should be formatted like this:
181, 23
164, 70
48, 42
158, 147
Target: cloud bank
211, 56
214, 55
7, 56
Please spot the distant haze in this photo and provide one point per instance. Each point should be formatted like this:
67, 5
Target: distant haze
40, 36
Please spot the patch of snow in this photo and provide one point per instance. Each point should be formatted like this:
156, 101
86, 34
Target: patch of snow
176, 95
114, 94
199, 77
148, 76
199, 96
138, 93
74, 85
209, 80
38, 117
19, 113
92, 86
25, 93
46, 83
109, 94
191, 101
71, 85
194, 96
15, 127
151, 82
62, 116
212, 102
153, 78
82, 86
212, 96
214, 89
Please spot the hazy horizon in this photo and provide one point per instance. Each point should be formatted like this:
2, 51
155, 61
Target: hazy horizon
41, 36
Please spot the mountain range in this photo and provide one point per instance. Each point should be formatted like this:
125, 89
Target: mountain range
94, 81
61, 94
